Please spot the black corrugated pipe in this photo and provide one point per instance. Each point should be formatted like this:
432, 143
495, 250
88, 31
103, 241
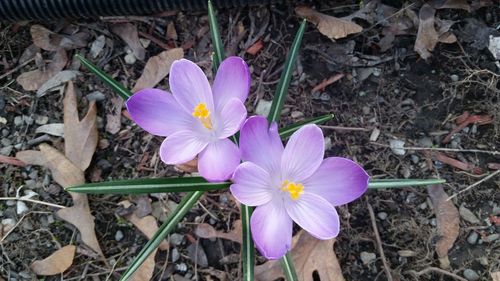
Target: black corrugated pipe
17, 10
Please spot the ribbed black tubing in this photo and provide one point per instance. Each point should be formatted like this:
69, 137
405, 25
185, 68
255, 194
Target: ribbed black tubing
18, 10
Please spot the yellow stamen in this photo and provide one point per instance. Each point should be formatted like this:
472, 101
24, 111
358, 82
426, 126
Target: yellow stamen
295, 189
201, 112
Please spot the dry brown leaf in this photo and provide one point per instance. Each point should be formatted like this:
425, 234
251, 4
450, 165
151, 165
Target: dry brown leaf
56, 263
128, 33
448, 220
204, 230
80, 137
189, 167
427, 36
51, 41
495, 276
113, 119
32, 80
157, 68
147, 225
309, 255
332, 27
451, 4
145, 271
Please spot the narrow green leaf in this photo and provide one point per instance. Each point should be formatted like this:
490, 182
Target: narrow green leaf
289, 130
288, 267
184, 206
401, 183
247, 251
123, 92
286, 76
218, 55
158, 185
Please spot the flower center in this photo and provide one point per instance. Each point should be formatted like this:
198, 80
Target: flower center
201, 112
295, 189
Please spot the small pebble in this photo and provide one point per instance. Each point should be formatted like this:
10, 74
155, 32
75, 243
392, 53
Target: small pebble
41, 120
6, 142
297, 114
425, 142
471, 275
176, 239
96, 96
175, 255
472, 239
328, 143
397, 147
473, 130
433, 222
181, 267
414, 159
5, 133
6, 150
18, 121
118, 235
454, 78
28, 120
366, 110
468, 215
423, 206
382, 215
367, 257
130, 58
263, 107
325, 97
491, 238
362, 93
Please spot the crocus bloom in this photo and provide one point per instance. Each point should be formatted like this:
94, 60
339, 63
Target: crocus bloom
292, 184
197, 119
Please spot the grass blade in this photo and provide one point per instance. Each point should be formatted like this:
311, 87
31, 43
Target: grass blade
247, 251
288, 268
286, 76
218, 55
123, 92
289, 130
158, 185
184, 206
401, 183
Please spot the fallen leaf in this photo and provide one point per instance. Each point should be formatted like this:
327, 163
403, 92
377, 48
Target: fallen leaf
51, 41
128, 33
255, 48
171, 31
451, 4
56, 81
56, 263
448, 221
189, 167
11, 161
29, 53
145, 271
147, 225
55, 129
80, 137
113, 119
332, 27
32, 80
465, 120
157, 68
310, 256
427, 36
204, 230
495, 276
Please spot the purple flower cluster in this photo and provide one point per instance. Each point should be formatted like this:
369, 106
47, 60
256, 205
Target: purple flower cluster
287, 184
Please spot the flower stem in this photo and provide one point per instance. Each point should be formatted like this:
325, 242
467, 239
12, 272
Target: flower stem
288, 268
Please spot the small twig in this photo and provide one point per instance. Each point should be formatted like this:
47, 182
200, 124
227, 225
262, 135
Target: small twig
16, 68
154, 40
32, 201
438, 270
379, 243
474, 184
441, 149
340, 128
17, 224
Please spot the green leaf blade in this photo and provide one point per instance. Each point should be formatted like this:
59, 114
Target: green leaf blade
402, 183
218, 55
247, 250
144, 186
289, 130
184, 206
288, 267
286, 75
123, 92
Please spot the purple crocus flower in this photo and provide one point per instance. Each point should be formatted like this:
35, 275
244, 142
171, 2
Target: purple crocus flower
292, 184
195, 118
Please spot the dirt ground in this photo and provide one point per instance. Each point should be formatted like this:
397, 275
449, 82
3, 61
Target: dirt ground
394, 91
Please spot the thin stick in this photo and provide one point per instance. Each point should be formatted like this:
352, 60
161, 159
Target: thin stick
340, 128
16, 68
379, 243
441, 149
438, 270
474, 184
32, 201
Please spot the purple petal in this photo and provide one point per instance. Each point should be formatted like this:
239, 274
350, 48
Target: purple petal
232, 116
338, 180
315, 215
272, 230
181, 147
219, 160
190, 86
158, 113
251, 185
303, 153
232, 81
261, 144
